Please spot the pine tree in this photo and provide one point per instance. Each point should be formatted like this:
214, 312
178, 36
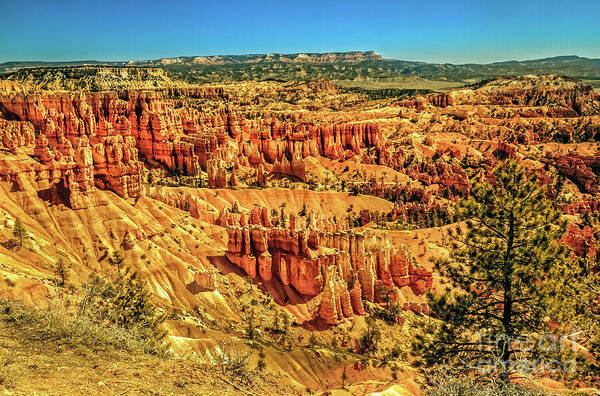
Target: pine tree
132, 304
261, 365
282, 217
560, 183
435, 220
286, 323
370, 337
276, 322
588, 319
420, 220
595, 349
251, 330
309, 219
124, 302
350, 216
19, 231
381, 220
303, 210
467, 157
508, 274
116, 260
62, 271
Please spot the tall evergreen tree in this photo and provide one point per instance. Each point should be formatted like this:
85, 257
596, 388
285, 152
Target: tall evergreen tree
507, 274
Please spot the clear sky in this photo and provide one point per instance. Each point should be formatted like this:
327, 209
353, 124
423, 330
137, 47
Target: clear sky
457, 31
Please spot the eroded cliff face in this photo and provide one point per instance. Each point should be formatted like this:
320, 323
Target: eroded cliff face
325, 260
106, 136
566, 96
161, 128
332, 204
423, 158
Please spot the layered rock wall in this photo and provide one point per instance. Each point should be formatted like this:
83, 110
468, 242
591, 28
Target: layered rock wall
122, 129
323, 260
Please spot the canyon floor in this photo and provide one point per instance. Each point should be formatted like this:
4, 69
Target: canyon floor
284, 219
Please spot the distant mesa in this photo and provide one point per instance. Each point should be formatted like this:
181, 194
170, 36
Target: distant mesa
357, 65
328, 57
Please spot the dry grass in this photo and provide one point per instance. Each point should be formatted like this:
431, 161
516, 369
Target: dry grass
63, 326
462, 386
55, 348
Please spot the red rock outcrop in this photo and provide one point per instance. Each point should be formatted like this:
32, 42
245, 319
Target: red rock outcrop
589, 205
440, 173
296, 167
411, 104
277, 140
128, 127
217, 174
578, 168
441, 100
322, 260
16, 134
550, 90
581, 240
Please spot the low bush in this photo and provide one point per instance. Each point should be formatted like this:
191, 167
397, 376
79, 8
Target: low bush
126, 303
234, 361
461, 386
112, 314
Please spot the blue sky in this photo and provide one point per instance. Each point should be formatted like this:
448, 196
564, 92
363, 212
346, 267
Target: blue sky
456, 31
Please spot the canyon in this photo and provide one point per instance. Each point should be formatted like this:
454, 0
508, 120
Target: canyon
327, 205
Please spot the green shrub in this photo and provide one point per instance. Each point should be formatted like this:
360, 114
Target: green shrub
123, 302
19, 231
370, 337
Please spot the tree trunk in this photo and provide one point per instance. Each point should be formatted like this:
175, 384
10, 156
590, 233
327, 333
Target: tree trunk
508, 301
